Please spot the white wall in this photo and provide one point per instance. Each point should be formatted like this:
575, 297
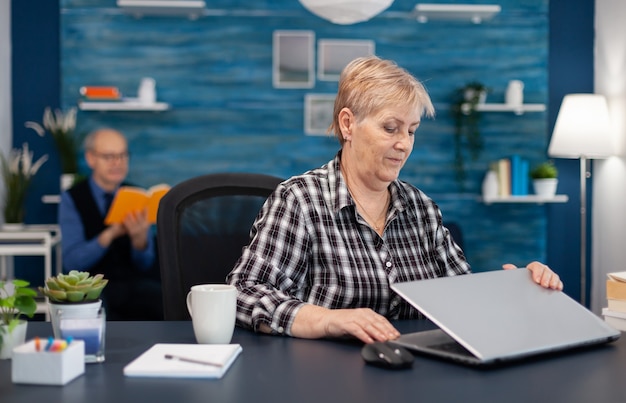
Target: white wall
6, 126
609, 182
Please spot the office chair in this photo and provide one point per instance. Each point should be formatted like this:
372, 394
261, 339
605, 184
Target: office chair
202, 225
456, 233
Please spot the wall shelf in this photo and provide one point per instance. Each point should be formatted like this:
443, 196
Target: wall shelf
517, 109
527, 199
124, 105
476, 13
139, 8
51, 199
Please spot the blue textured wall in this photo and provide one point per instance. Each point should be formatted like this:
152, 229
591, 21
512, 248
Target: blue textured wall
216, 72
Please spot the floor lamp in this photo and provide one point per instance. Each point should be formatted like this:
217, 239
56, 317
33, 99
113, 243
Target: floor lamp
583, 131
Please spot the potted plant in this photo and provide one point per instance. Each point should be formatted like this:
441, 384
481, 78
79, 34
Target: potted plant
62, 126
16, 300
17, 172
545, 179
75, 294
466, 119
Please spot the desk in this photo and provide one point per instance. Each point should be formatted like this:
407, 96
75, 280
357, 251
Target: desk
282, 369
31, 240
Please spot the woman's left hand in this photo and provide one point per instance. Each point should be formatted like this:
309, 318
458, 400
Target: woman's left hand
541, 275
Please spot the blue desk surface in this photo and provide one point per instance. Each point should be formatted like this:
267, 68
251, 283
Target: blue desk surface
282, 369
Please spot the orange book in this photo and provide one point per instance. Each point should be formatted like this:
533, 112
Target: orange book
134, 199
93, 92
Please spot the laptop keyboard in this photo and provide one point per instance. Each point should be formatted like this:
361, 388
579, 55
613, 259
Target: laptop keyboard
451, 347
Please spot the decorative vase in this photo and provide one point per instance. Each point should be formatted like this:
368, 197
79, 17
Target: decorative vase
545, 187
13, 339
490, 186
514, 95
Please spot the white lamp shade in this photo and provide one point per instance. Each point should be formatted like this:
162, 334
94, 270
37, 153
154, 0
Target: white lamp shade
346, 12
583, 128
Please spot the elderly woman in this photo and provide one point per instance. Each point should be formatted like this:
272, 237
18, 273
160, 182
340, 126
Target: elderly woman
327, 244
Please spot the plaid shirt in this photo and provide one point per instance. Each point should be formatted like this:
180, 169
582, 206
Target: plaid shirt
309, 245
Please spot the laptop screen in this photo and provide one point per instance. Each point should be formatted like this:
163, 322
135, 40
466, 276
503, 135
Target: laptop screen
504, 314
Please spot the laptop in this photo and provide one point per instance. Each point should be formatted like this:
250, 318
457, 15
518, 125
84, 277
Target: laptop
498, 316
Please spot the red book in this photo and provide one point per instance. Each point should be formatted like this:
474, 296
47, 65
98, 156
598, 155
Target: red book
92, 92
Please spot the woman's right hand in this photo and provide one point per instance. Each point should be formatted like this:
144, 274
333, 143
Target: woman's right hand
363, 323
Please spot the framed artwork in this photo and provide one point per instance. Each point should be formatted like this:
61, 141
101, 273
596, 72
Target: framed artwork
318, 113
293, 59
334, 54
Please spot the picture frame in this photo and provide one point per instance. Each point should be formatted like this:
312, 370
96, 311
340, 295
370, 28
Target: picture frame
293, 58
318, 113
334, 54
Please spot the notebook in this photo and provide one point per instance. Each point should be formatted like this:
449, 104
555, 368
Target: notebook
497, 316
166, 360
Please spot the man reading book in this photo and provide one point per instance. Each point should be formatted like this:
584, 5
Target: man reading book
124, 252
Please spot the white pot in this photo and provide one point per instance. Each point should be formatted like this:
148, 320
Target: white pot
545, 187
13, 339
12, 226
83, 310
66, 181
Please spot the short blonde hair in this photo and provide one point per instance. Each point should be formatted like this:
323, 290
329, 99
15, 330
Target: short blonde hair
368, 84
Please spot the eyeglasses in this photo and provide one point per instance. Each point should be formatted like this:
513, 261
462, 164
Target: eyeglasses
111, 157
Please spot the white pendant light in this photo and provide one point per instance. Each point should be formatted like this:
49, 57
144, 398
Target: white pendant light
346, 12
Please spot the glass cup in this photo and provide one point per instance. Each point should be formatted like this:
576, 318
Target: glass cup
90, 328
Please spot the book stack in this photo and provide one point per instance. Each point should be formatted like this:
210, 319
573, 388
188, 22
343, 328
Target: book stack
512, 176
615, 312
100, 93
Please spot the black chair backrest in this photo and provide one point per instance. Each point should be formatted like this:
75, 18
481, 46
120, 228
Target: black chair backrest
455, 233
202, 225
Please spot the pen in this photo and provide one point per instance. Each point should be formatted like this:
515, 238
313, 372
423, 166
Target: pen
37, 344
49, 345
184, 359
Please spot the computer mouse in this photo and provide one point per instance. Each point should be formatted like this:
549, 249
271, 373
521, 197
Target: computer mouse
387, 355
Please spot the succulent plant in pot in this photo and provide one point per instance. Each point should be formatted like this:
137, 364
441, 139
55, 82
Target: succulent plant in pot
74, 287
73, 295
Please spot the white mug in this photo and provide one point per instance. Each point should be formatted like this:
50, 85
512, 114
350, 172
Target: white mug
212, 308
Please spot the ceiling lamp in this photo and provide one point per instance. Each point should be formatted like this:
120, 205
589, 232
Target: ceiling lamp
346, 12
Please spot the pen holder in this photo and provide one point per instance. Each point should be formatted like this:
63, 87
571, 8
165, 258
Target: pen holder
31, 366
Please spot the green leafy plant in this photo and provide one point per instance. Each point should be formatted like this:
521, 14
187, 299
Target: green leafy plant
17, 172
74, 287
545, 170
62, 126
16, 301
466, 120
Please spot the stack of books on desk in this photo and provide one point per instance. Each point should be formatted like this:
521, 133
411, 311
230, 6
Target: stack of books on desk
615, 312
